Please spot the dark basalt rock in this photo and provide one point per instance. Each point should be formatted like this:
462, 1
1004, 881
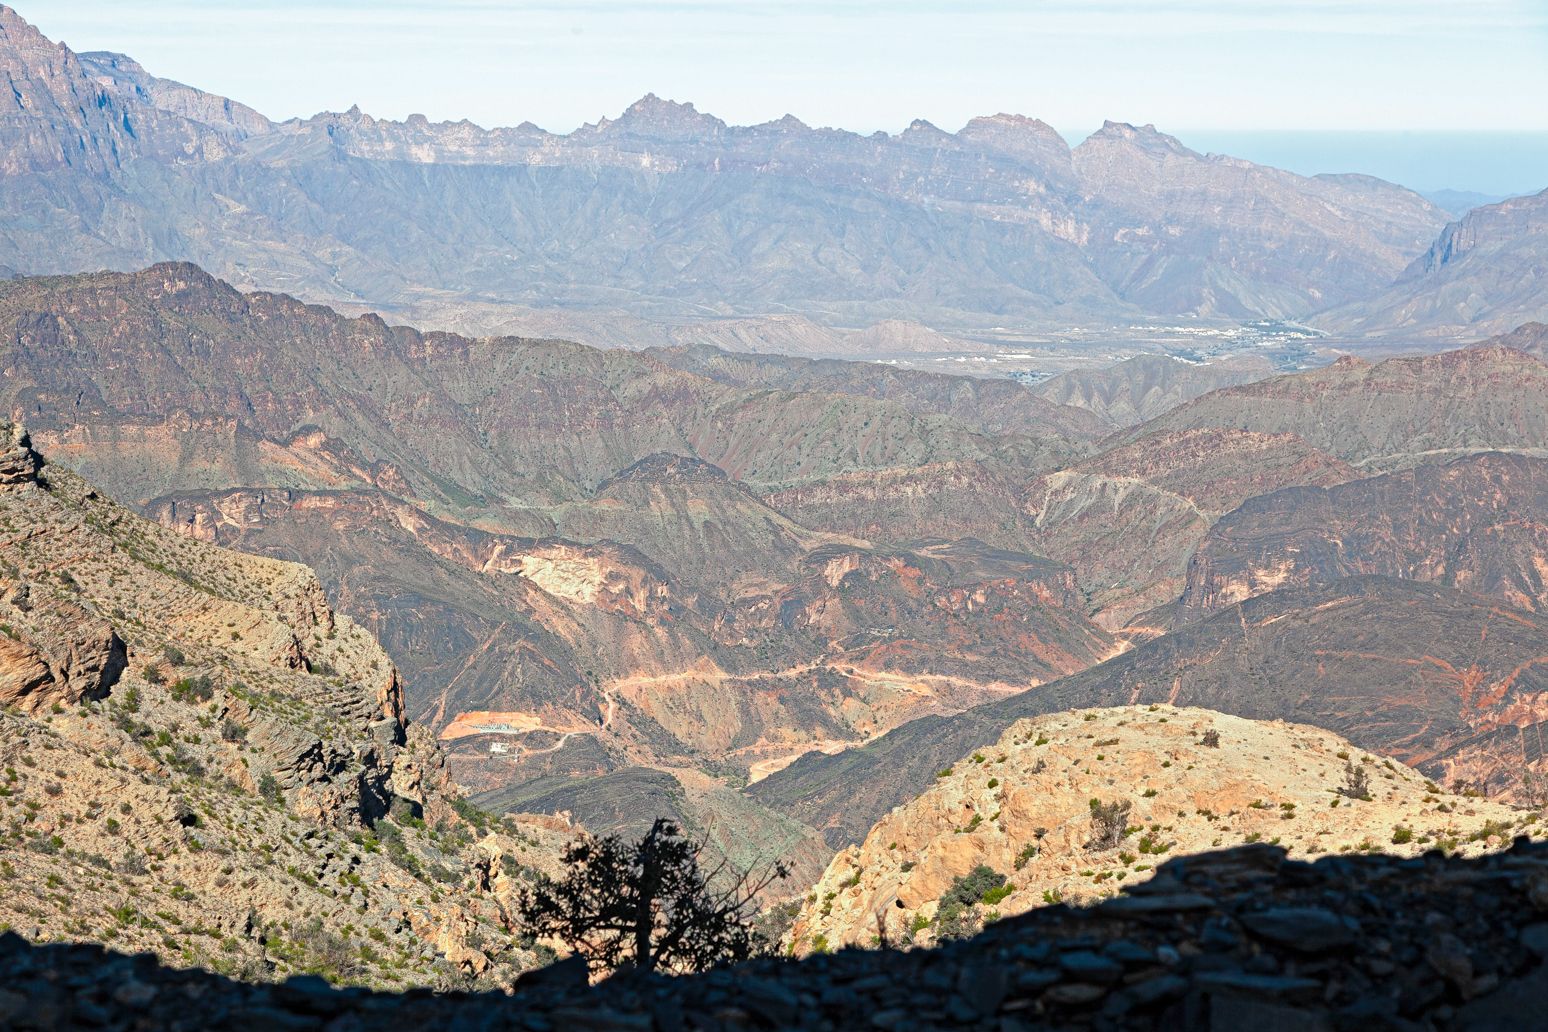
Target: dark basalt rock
1345, 942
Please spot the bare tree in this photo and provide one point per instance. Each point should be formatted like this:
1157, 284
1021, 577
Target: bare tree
649, 904
883, 939
1532, 789
1109, 823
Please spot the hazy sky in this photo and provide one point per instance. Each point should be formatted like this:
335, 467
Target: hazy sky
1430, 65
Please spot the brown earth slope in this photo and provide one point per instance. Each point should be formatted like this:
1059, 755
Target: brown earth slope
1447, 682
202, 761
1129, 518
1393, 414
1478, 523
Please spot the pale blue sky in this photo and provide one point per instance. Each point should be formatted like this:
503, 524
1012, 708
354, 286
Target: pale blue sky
1431, 65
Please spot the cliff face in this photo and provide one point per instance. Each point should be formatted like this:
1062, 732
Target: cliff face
1188, 780
216, 765
1474, 523
1482, 275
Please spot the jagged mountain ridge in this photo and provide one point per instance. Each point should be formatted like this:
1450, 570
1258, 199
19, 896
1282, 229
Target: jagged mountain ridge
681, 212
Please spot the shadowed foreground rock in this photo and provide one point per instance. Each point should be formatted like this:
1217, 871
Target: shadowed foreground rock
1228, 940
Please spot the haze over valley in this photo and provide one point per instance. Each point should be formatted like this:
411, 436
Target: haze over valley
403, 521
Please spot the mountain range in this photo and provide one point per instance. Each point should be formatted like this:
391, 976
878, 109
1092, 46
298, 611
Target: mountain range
667, 215
681, 572
324, 638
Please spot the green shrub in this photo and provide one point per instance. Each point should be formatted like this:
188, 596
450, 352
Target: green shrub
996, 894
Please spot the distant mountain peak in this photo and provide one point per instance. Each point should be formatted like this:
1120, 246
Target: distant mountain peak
922, 130
113, 59
14, 28
1146, 136
654, 114
1004, 120
1018, 135
787, 123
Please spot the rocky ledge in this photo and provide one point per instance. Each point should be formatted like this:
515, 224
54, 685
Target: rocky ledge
1228, 940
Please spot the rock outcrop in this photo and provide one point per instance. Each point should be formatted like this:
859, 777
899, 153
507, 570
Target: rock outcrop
215, 768
1175, 781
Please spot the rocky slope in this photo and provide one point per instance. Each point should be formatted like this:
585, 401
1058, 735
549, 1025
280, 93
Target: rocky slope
1481, 276
202, 761
1171, 227
575, 548
1232, 939
1392, 414
1476, 523
1146, 386
1446, 682
680, 213
1129, 519
1192, 780
1531, 338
